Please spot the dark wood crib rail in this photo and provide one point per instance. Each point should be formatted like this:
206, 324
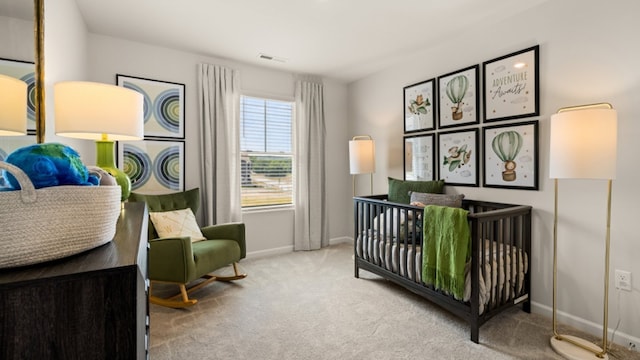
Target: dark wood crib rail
504, 229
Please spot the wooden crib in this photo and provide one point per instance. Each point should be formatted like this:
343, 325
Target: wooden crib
388, 242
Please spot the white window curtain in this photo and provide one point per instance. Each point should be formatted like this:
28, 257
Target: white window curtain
219, 94
311, 227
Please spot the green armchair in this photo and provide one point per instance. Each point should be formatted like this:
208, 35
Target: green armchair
177, 260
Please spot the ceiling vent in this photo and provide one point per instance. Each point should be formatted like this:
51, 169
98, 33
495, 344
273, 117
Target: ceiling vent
271, 58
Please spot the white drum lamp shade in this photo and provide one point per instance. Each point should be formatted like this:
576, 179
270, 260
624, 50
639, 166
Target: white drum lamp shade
583, 144
362, 156
87, 110
13, 106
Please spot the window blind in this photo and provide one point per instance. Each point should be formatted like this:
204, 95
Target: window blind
266, 146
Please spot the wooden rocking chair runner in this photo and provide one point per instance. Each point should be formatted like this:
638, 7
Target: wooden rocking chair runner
179, 261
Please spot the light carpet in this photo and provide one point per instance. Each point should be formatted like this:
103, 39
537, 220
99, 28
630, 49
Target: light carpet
308, 305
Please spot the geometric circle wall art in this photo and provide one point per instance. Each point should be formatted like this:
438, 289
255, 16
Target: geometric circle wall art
166, 109
30, 79
163, 105
137, 165
154, 166
147, 104
166, 167
25, 71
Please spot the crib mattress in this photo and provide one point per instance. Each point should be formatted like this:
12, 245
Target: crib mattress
499, 275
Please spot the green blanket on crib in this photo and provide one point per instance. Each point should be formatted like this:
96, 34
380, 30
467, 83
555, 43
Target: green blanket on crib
446, 248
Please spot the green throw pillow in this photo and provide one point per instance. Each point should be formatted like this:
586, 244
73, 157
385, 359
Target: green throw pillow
399, 189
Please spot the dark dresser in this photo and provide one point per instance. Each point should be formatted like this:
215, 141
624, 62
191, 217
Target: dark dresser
93, 305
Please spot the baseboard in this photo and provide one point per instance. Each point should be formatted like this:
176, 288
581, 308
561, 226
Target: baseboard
269, 252
288, 249
341, 240
587, 326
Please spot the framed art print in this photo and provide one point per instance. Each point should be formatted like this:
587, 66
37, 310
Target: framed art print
511, 156
458, 98
511, 86
25, 71
458, 157
154, 166
163, 105
419, 157
419, 107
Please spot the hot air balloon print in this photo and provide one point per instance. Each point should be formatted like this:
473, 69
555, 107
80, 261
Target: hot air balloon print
507, 145
456, 91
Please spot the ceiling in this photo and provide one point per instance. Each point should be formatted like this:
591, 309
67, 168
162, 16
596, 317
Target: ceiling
342, 39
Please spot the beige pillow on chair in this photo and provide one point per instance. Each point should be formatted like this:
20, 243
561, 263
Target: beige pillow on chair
176, 223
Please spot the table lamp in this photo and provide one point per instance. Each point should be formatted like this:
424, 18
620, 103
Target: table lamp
13, 106
101, 112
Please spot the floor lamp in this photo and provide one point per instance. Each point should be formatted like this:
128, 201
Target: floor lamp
362, 158
13, 102
582, 146
101, 112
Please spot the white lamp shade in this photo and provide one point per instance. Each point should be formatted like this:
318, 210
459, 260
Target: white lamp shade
583, 144
13, 106
87, 110
362, 157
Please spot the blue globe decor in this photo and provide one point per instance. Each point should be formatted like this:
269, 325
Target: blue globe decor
50, 164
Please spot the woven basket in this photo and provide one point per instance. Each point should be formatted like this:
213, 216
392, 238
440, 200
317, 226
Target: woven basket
54, 222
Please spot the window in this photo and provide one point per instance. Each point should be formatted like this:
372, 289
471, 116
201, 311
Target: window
266, 151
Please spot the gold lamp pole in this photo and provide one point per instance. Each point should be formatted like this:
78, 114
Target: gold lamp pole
362, 158
39, 71
574, 131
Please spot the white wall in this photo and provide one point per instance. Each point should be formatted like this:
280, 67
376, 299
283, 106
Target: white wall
65, 53
266, 231
16, 39
588, 54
